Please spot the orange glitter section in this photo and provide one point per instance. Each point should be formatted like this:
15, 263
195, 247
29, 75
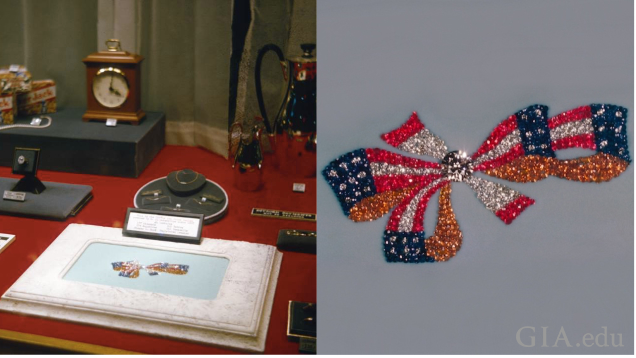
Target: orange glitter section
375, 206
171, 269
598, 168
447, 239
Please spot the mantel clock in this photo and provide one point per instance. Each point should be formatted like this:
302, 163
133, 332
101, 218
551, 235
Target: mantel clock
113, 85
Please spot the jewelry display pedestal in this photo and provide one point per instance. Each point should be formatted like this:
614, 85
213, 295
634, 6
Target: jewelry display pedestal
57, 202
70, 145
192, 203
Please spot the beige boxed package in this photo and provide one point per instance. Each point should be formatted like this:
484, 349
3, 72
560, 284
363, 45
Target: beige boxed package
7, 108
14, 78
41, 99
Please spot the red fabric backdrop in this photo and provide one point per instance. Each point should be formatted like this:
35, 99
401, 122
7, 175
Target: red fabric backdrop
112, 196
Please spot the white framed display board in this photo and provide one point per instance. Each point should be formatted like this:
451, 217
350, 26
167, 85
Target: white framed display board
222, 294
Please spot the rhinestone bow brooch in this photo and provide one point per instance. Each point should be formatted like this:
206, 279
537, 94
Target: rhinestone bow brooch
130, 269
370, 182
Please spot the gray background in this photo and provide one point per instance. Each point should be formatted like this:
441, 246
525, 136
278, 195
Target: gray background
567, 261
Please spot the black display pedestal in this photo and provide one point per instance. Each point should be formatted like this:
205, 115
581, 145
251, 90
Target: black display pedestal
30, 184
57, 202
191, 203
71, 145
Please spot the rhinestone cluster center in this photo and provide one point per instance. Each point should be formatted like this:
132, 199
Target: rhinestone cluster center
457, 166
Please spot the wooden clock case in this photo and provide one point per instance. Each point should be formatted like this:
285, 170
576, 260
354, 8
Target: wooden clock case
130, 65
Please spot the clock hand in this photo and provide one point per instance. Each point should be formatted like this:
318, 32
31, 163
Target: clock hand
115, 91
110, 88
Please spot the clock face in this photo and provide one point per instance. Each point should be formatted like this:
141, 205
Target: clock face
110, 87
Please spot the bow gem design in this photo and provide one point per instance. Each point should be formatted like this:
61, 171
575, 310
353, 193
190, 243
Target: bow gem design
130, 269
371, 182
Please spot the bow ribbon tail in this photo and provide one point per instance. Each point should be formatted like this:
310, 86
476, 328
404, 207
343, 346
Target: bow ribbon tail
505, 202
447, 238
404, 238
404, 235
413, 137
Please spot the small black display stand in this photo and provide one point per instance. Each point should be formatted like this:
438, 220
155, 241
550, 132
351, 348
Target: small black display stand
30, 184
157, 195
25, 162
301, 325
185, 182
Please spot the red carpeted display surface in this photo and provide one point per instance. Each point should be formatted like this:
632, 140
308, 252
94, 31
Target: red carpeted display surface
112, 196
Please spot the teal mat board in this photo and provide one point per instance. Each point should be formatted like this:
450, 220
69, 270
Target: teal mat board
203, 280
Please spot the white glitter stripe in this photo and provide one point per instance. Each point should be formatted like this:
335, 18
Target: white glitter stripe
570, 129
494, 196
424, 143
513, 138
379, 168
406, 221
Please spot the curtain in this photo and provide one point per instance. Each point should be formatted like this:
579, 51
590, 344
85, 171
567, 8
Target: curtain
186, 72
190, 67
51, 38
287, 25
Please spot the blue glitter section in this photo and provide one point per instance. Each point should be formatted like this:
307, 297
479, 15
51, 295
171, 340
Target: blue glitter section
350, 178
610, 131
535, 134
405, 247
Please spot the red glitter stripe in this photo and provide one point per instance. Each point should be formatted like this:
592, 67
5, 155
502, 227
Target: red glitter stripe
394, 220
512, 210
580, 141
412, 126
572, 115
418, 218
498, 134
514, 153
384, 156
392, 182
